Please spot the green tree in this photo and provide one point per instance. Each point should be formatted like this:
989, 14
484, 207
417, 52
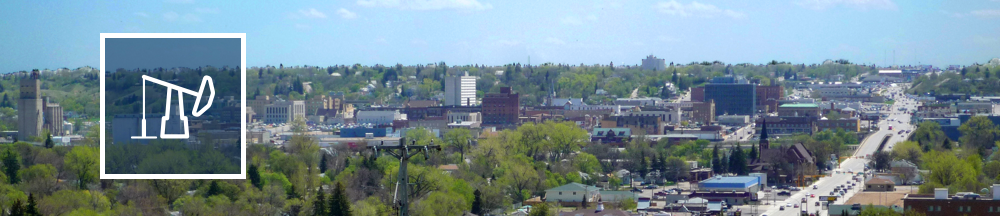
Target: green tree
83, 162
978, 133
540, 210
48, 141
11, 166
907, 150
213, 189
459, 139
32, 208
339, 203
253, 174
477, 203
716, 162
319, 205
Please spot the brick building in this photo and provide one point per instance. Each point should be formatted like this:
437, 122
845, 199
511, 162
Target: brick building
768, 96
501, 108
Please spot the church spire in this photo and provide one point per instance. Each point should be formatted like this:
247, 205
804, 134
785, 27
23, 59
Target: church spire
764, 143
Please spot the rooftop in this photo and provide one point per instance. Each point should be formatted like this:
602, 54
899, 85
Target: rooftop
799, 105
731, 179
574, 187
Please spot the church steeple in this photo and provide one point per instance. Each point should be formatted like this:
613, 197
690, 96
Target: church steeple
764, 143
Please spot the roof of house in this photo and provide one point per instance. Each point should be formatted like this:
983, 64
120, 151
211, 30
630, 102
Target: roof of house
603, 131
563, 101
799, 105
880, 181
593, 212
611, 194
421, 103
574, 187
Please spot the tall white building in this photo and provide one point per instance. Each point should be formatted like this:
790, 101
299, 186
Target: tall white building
460, 90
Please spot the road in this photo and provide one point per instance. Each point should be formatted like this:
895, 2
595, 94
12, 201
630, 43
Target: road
826, 184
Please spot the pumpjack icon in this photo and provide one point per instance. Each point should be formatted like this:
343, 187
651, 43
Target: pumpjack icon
171, 88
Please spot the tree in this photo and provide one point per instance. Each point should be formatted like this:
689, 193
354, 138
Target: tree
978, 133
907, 150
32, 208
11, 166
83, 162
477, 203
48, 141
253, 174
540, 210
17, 208
319, 205
339, 204
459, 139
880, 161
716, 165
753, 152
213, 189
946, 144
322, 163
583, 202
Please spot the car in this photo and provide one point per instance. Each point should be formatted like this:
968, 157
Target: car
796, 206
788, 204
650, 186
817, 203
831, 193
637, 190
784, 193
812, 196
814, 187
781, 208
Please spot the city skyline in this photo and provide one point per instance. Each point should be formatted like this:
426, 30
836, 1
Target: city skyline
461, 32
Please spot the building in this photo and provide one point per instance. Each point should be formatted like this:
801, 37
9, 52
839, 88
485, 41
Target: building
654, 64
974, 107
787, 125
53, 118
647, 122
698, 94
378, 117
736, 120
572, 192
851, 124
731, 183
284, 111
501, 108
703, 112
29, 107
961, 203
732, 95
879, 184
768, 97
799, 110
258, 104
614, 136
639, 102
460, 90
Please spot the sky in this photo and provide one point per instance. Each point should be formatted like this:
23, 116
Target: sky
50, 35
145, 53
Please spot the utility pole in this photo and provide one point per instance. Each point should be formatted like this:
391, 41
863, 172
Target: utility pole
404, 154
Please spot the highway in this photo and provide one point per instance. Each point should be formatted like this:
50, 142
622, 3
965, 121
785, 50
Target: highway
868, 146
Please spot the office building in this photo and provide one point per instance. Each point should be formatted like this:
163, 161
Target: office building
501, 108
733, 95
284, 111
460, 90
768, 97
654, 64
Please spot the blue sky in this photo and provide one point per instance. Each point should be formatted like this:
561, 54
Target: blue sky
66, 34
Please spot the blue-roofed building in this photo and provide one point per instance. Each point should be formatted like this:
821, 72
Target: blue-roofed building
728, 184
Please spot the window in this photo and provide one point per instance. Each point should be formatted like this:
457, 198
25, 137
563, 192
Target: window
560, 193
574, 193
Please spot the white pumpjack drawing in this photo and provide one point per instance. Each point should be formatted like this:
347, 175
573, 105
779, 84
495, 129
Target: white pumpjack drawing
180, 101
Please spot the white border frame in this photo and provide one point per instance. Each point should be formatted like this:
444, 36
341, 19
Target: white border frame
243, 103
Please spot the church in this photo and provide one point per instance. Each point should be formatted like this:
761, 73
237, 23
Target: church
784, 163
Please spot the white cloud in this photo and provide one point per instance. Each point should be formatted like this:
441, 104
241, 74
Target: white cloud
986, 13
571, 20
953, 14
302, 26
173, 16
346, 14
694, 8
311, 13
859, 4
170, 16
207, 10
468, 5
179, 1
142, 14
507, 42
556, 41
